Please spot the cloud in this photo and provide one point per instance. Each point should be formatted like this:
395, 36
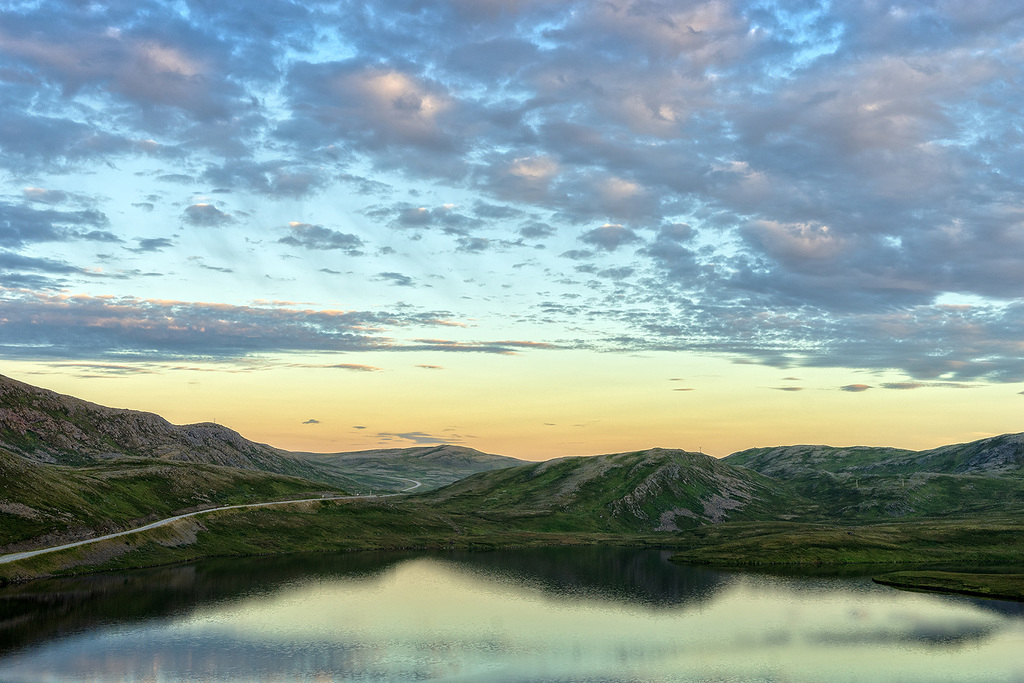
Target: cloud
507, 347
206, 215
417, 437
42, 326
536, 230
473, 245
855, 388
311, 422
675, 232
431, 367
788, 388
904, 386
36, 143
396, 279
39, 325
98, 370
20, 224
318, 237
279, 178
43, 196
352, 366
799, 186
609, 237
377, 108
11, 262
199, 262
152, 244
445, 218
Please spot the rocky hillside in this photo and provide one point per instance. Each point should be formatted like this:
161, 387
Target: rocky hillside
644, 491
48, 427
793, 461
869, 483
994, 456
434, 466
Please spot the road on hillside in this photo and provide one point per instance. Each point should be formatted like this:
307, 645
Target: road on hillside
4, 559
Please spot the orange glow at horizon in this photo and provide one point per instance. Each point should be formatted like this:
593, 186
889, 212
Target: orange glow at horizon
539, 405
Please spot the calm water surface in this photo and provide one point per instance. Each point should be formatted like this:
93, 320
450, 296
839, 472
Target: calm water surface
580, 615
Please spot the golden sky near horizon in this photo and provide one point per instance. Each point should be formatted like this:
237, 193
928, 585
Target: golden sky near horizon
541, 406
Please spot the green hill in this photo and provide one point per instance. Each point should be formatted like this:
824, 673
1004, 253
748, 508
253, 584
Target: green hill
70, 469
869, 483
640, 492
43, 504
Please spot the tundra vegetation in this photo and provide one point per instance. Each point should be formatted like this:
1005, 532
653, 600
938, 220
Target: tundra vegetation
948, 518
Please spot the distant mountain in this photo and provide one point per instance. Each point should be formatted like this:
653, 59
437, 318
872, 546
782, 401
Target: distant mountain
869, 483
789, 461
48, 427
434, 466
993, 456
997, 455
644, 491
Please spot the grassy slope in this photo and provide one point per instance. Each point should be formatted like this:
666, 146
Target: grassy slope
961, 506
41, 503
640, 492
302, 527
864, 484
1002, 586
961, 543
993, 456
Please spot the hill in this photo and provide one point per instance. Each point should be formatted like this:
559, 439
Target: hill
993, 456
639, 492
434, 466
48, 427
43, 504
871, 483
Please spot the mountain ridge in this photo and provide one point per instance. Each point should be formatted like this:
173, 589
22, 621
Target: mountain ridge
994, 455
655, 489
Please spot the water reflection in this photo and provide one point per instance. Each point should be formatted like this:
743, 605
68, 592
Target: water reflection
529, 615
612, 574
56, 607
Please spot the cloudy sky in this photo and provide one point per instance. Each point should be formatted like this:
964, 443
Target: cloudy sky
533, 228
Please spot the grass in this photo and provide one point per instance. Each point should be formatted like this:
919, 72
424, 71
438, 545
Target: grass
628, 493
950, 521
316, 526
1000, 586
959, 542
49, 503
419, 523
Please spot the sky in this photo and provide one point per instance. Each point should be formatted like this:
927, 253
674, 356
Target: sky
532, 228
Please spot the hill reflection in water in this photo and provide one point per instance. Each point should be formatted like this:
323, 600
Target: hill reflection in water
556, 614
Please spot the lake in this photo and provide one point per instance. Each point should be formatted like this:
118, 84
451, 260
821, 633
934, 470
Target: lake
555, 614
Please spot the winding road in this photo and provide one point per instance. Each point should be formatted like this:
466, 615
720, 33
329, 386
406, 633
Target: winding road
32, 553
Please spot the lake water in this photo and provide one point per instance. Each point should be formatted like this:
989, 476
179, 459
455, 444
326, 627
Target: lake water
560, 614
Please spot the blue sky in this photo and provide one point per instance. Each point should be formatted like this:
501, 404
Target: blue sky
811, 189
